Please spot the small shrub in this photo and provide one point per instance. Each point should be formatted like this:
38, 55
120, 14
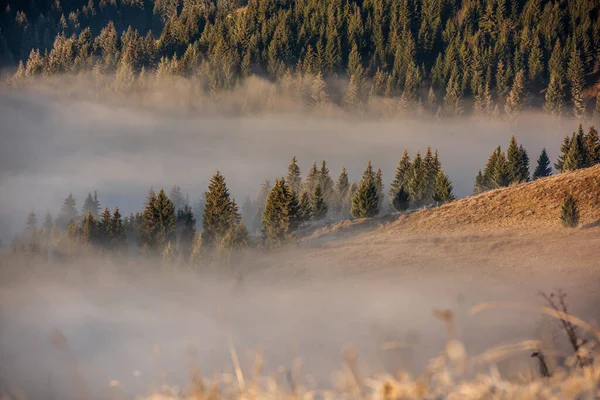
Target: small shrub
570, 212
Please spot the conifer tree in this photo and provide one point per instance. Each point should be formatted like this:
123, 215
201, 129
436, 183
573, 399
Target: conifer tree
31, 224
515, 162
432, 167
401, 177
500, 176
48, 223
592, 147
453, 105
523, 172
197, 254
261, 201
177, 198
218, 212
516, 98
569, 212
443, 188
312, 179
318, 205
279, 214
305, 207
379, 185
117, 231
365, 202
166, 220
104, 236
188, 231
564, 149
88, 232
401, 199
294, 178
554, 103
68, 211
318, 96
480, 184
575, 74
170, 256
325, 182
543, 168
342, 186
91, 205
417, 180
575, 157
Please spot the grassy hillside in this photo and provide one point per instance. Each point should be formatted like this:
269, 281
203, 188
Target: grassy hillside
534, 205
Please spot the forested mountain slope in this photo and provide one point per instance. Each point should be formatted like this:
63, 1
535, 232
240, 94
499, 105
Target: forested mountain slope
504, 55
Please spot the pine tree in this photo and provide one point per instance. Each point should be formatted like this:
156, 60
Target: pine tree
279, 215
564, 149
218, 212
453, 104
149, 228
305, 207
68, 211
188, 231
166, 220
294, 178
88, 232
91, 205
104, 236
543, 168
500, 176
318, 205
318, 96
480, 184
554, 103
117, 231
516, 98
365, 202
401, 199
514, 162
523, 171
379, 185
575, 158
325, 182
575, 74
569, 212
432, 167
592, 147
312, 179
417, 180
177, 198
443, 189
401, 177
342, 186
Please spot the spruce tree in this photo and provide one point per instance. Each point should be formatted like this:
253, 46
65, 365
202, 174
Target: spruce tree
564, 149
592, 147
188, 230
305, 207
515, 162
91, 205
88, 232
68, 211
312, 179
401, 177
543, 168
149, 225
278, 215
500, 176
401, 199
554, 102
379, 185
480, 184
117, 230
177, 198
523, 165
325, 182
417, 180
432, 167
569, 212
318, 205
516, 98
575, 74
341, 190
575, 157
365, 202
218, 212
443, 189
104, 229
294, 178
166, 220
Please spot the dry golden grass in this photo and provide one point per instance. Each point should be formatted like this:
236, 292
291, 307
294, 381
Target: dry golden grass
529, 206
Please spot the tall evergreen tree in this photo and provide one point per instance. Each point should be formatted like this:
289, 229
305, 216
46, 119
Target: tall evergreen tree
279, 215
319, 205
543, 168
312, 179
575, 74
554, 103
592, 147
443, 188
575, 158
342, 186
149, 229
365, 202
304, 207
401, 199
218, 211
117, 229
416, 180
401, 177
68, 211
88, 232
188, 230
294, 178
516, 98
104, 238
166, 220
176, 196
325, 182
564, 149
91, 205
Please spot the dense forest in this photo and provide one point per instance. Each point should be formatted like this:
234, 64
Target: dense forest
444, 57
183, 233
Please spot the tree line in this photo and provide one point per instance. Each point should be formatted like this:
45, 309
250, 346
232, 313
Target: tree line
168, 227
442, 57
579, 150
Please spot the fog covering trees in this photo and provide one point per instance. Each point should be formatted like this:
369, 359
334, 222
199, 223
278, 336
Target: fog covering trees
432, 57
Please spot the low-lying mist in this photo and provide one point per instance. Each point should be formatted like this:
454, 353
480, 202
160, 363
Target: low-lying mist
67, 137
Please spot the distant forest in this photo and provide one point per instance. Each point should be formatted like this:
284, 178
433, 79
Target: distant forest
446, 57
